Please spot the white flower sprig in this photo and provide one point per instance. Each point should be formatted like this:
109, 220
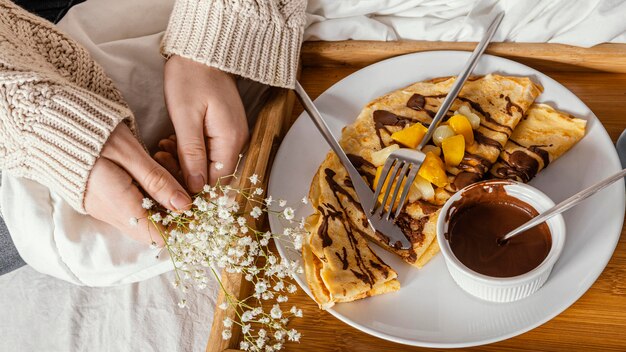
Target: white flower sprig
215, 235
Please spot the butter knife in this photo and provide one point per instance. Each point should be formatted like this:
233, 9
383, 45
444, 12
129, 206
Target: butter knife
394, 235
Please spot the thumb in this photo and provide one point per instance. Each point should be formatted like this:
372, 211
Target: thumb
152, 177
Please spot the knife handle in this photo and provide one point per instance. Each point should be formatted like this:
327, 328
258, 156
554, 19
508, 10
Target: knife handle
321, 125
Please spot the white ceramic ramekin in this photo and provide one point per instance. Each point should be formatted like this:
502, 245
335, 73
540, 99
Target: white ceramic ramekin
508, 289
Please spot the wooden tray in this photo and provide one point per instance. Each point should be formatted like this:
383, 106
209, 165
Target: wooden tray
596, 75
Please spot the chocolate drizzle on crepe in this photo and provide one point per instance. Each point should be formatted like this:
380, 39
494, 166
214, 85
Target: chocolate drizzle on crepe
522, 166
331, 213
383, 119
484, 140
360, 163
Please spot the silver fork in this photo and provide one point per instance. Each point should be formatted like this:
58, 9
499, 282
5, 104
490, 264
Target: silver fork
404, 163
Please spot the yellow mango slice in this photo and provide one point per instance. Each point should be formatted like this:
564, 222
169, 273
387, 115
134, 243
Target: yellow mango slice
453, 149
411, 136
461, 125
379, 171
433, 170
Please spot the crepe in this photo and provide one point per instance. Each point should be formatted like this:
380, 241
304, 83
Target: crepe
339, 265
499, 101
540, 138
339, 221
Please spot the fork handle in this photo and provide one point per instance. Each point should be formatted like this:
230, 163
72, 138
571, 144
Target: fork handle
461, 78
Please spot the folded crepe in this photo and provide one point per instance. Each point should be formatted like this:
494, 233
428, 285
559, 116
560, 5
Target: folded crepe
339, 264
541, 137
338, 228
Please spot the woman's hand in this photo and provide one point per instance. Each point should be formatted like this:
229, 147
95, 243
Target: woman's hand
114, 198
208, 117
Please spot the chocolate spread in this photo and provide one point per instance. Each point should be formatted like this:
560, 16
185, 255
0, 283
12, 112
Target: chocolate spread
480, 218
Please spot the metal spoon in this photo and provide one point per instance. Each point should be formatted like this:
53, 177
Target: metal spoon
564, 205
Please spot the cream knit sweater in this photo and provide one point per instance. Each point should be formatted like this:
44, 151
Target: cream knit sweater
58, 107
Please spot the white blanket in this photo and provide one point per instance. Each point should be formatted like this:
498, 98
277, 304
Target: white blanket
575, 22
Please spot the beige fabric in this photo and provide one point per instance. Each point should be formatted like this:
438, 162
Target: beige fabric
257, 39
58, 107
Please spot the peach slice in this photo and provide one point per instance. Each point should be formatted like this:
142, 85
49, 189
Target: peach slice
433, 170
461, 125
453, 149
411, 136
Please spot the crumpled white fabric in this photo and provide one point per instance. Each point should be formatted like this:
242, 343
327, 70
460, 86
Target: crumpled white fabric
575, 22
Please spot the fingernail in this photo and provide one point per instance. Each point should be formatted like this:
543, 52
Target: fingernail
195, 182
180, 200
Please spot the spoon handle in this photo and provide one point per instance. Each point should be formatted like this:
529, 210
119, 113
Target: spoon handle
565, 205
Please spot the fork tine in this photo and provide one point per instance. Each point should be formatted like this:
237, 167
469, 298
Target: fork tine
407, 187
381, 182
396, 189
394, 174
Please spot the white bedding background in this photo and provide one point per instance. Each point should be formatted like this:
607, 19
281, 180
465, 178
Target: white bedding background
42, 313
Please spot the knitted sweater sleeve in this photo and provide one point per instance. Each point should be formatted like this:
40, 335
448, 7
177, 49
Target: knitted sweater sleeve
256, 39
57, 107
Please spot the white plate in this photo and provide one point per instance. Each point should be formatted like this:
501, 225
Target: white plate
430, 310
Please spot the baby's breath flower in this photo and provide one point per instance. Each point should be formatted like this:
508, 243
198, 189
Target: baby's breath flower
219, 166
133, 221
227, 334
260, 287
288, 213
256, 212
156, 217
254, 179
147, 203
276, 313
282, 203
305, 200
293, 335
213, 233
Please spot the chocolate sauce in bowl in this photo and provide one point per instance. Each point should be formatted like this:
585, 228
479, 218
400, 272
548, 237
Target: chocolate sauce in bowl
480, 218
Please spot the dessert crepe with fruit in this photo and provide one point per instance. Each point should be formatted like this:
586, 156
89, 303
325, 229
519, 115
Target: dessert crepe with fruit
477, 127
339, 264
541, 137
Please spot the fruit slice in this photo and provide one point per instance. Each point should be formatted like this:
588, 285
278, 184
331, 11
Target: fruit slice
461, 125
379, 171
379, 157
453, 149
410, 136
433, 170
442, 132
421, 189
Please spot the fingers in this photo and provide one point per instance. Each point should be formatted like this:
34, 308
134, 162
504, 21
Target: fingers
170, 163
108, 182
188, 120
227, 131
169, 145
123, 149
